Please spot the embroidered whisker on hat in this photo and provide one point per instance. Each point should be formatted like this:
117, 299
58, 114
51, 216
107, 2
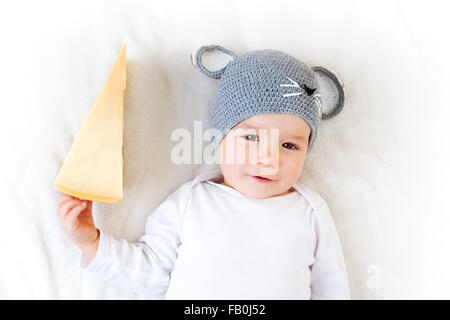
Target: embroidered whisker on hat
268, 81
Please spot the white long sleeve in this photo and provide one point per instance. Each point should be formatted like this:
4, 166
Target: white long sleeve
143, 266
328, 272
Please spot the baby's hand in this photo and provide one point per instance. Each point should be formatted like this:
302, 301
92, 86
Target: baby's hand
75, 218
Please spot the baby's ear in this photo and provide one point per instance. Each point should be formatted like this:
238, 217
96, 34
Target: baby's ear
331, 93
212, 60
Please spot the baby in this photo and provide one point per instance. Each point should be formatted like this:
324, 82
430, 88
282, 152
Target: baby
248, 230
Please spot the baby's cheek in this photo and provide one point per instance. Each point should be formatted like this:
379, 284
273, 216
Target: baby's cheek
294, 168
234, 152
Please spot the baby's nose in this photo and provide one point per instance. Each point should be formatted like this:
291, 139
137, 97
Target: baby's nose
268, 155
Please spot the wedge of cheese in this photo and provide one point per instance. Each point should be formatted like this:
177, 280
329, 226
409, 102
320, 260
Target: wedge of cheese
93, 168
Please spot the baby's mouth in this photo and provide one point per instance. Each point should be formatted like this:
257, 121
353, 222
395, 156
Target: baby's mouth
261, 179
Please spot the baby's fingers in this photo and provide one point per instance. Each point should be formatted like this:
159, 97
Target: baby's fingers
61, 200
65, 198
67, 206
72, 216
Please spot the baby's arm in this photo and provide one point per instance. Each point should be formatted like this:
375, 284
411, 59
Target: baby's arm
143, 266
328, 272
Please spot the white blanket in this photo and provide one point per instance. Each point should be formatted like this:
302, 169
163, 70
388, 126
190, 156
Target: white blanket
381, 164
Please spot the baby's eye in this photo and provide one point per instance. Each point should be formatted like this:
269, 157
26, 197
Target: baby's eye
289, 146
252, 137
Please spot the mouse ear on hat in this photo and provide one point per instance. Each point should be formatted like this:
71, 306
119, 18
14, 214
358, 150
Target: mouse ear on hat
331, 95
212, 60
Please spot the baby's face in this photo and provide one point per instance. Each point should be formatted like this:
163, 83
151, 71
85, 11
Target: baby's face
272, 146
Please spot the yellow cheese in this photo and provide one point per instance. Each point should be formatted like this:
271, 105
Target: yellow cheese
93, 168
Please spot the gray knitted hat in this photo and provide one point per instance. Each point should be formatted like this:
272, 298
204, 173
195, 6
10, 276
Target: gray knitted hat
268, 81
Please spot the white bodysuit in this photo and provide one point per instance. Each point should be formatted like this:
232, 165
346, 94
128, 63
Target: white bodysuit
209, 241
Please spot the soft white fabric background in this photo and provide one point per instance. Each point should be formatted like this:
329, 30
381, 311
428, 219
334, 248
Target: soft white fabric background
381, 164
